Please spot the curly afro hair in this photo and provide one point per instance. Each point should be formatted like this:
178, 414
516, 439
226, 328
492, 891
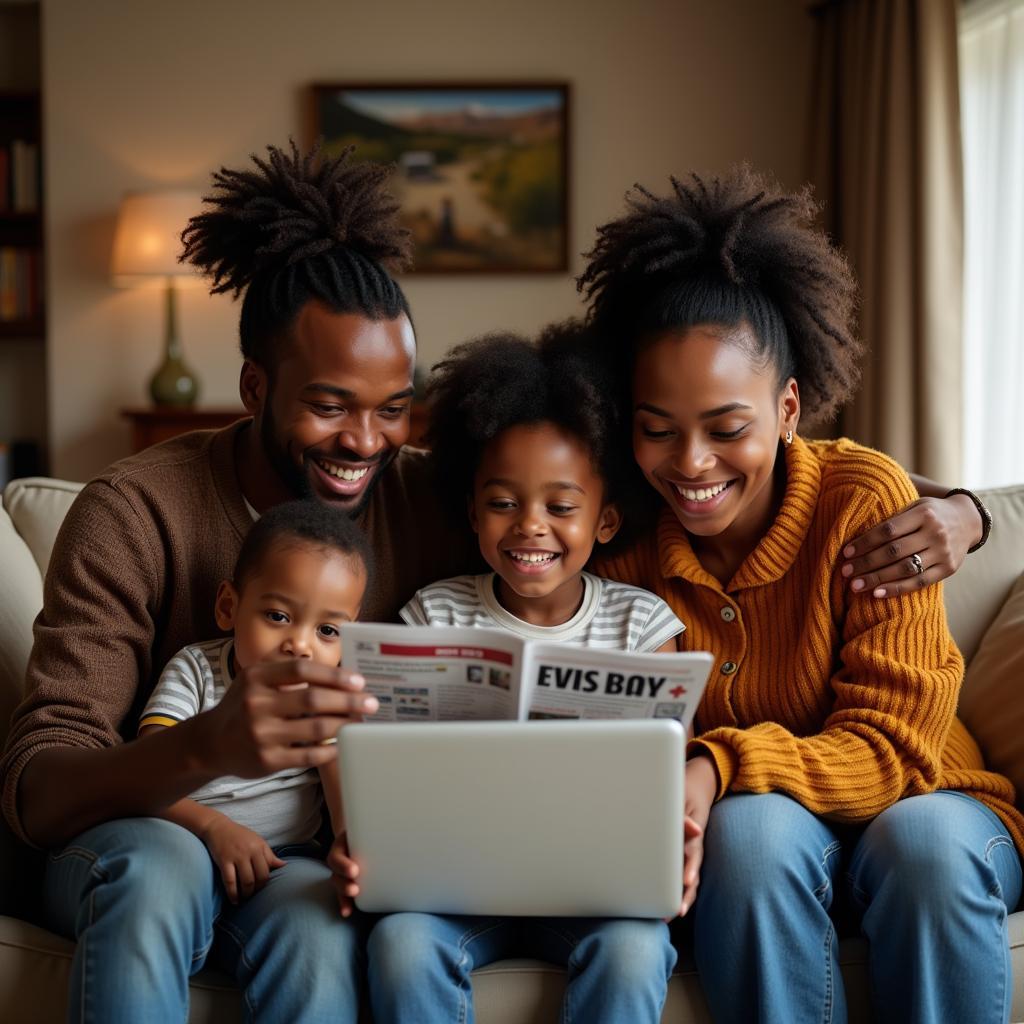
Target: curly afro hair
499, 381
295, 228
732, 250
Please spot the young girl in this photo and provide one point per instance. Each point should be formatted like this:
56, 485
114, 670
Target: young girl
830, 765
524, 436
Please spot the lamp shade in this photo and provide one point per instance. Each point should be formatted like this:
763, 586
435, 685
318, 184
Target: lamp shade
147, 242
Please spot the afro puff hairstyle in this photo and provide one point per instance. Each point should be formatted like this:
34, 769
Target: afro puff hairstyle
499, 381
295, 228
734, 250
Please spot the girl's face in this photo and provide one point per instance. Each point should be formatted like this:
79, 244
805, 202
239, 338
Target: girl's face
538, 507
707, 421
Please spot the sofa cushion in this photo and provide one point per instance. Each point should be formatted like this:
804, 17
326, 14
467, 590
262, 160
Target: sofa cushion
37, 506
976, 592
992, 701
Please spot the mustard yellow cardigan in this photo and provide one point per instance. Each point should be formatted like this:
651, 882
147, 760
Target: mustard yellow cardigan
843, 701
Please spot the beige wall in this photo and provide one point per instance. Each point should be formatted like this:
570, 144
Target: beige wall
140, 93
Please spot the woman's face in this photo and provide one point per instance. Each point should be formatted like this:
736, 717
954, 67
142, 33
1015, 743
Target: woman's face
707, 419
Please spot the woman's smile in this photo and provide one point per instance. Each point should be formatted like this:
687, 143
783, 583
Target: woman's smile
699, 499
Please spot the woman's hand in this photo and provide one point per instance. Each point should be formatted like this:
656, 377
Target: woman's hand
344, 871
243, 858
937, 530
701, 787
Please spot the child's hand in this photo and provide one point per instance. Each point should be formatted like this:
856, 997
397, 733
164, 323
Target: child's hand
244, 859
344, 872
701, 787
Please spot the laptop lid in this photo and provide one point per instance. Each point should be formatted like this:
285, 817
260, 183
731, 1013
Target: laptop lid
547, 818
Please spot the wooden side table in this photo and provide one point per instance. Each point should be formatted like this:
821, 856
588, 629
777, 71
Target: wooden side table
155, 424
161, 423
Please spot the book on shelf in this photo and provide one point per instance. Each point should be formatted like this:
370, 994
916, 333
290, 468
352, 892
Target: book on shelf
21, 294
19, 177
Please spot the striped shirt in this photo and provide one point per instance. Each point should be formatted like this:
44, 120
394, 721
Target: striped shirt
283, 808
612, 614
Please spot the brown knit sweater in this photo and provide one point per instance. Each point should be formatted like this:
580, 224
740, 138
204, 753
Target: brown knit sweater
134, 573
843, 701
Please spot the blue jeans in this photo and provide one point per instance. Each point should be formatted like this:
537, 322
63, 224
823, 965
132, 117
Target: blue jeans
930, 882
145, 903
419, 965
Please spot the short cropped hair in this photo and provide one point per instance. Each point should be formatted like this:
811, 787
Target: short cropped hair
307, 522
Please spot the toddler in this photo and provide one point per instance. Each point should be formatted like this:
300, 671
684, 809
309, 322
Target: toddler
301, 572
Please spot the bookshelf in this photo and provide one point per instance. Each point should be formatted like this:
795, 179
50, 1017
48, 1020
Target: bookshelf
21, 221
23, 391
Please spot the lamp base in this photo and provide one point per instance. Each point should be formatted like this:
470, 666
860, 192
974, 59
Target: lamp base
174, 384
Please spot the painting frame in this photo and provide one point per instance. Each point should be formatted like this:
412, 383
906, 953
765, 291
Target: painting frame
500, 222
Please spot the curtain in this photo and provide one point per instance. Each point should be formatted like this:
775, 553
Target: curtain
885, 158
992, 101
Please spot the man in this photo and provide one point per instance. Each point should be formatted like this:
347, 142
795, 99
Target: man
328, 350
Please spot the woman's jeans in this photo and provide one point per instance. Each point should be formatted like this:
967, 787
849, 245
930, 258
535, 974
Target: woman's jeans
419, 965
145, 903
930, 881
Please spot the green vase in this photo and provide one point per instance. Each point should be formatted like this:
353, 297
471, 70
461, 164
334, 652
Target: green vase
174, 383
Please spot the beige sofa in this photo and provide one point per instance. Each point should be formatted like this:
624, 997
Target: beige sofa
34, 963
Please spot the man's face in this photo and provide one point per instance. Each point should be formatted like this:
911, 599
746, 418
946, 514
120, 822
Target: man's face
334, 410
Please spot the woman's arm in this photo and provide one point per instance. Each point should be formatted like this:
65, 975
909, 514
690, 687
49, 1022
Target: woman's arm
888, 685
939, 530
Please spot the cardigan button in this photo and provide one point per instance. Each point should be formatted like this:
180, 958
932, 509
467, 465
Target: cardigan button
728, 614
728, 668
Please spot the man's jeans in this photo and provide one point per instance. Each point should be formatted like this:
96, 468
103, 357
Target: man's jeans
419, 965
930, 881
145, 903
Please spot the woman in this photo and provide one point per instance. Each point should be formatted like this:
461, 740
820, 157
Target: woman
829, 768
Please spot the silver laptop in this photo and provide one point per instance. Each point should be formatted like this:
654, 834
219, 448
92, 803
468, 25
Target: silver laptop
573, 819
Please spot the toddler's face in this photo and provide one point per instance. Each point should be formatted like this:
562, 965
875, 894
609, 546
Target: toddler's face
292, 605
538, 508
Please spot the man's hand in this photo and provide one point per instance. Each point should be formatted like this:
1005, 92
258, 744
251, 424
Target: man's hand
701, 787
344, 871
938, 530
277, 715
244, 859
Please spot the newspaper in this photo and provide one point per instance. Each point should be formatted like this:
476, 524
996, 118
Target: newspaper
445, 673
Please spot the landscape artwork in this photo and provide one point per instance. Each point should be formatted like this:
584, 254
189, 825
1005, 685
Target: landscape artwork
481, 171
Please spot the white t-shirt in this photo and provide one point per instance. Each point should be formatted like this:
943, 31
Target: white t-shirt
612, 614
283, 808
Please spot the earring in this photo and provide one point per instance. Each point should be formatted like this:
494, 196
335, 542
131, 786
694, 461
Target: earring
789, 437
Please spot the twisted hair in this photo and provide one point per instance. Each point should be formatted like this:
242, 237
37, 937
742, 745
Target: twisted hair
295, 228
499, 381
733, 250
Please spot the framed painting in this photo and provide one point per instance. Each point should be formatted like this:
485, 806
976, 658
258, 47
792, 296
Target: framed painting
481, 171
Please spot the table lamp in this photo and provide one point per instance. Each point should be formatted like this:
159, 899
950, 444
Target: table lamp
146, 247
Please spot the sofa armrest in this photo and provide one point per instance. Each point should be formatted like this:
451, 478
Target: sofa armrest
21, 598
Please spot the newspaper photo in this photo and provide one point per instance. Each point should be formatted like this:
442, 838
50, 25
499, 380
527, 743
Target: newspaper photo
443, 674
